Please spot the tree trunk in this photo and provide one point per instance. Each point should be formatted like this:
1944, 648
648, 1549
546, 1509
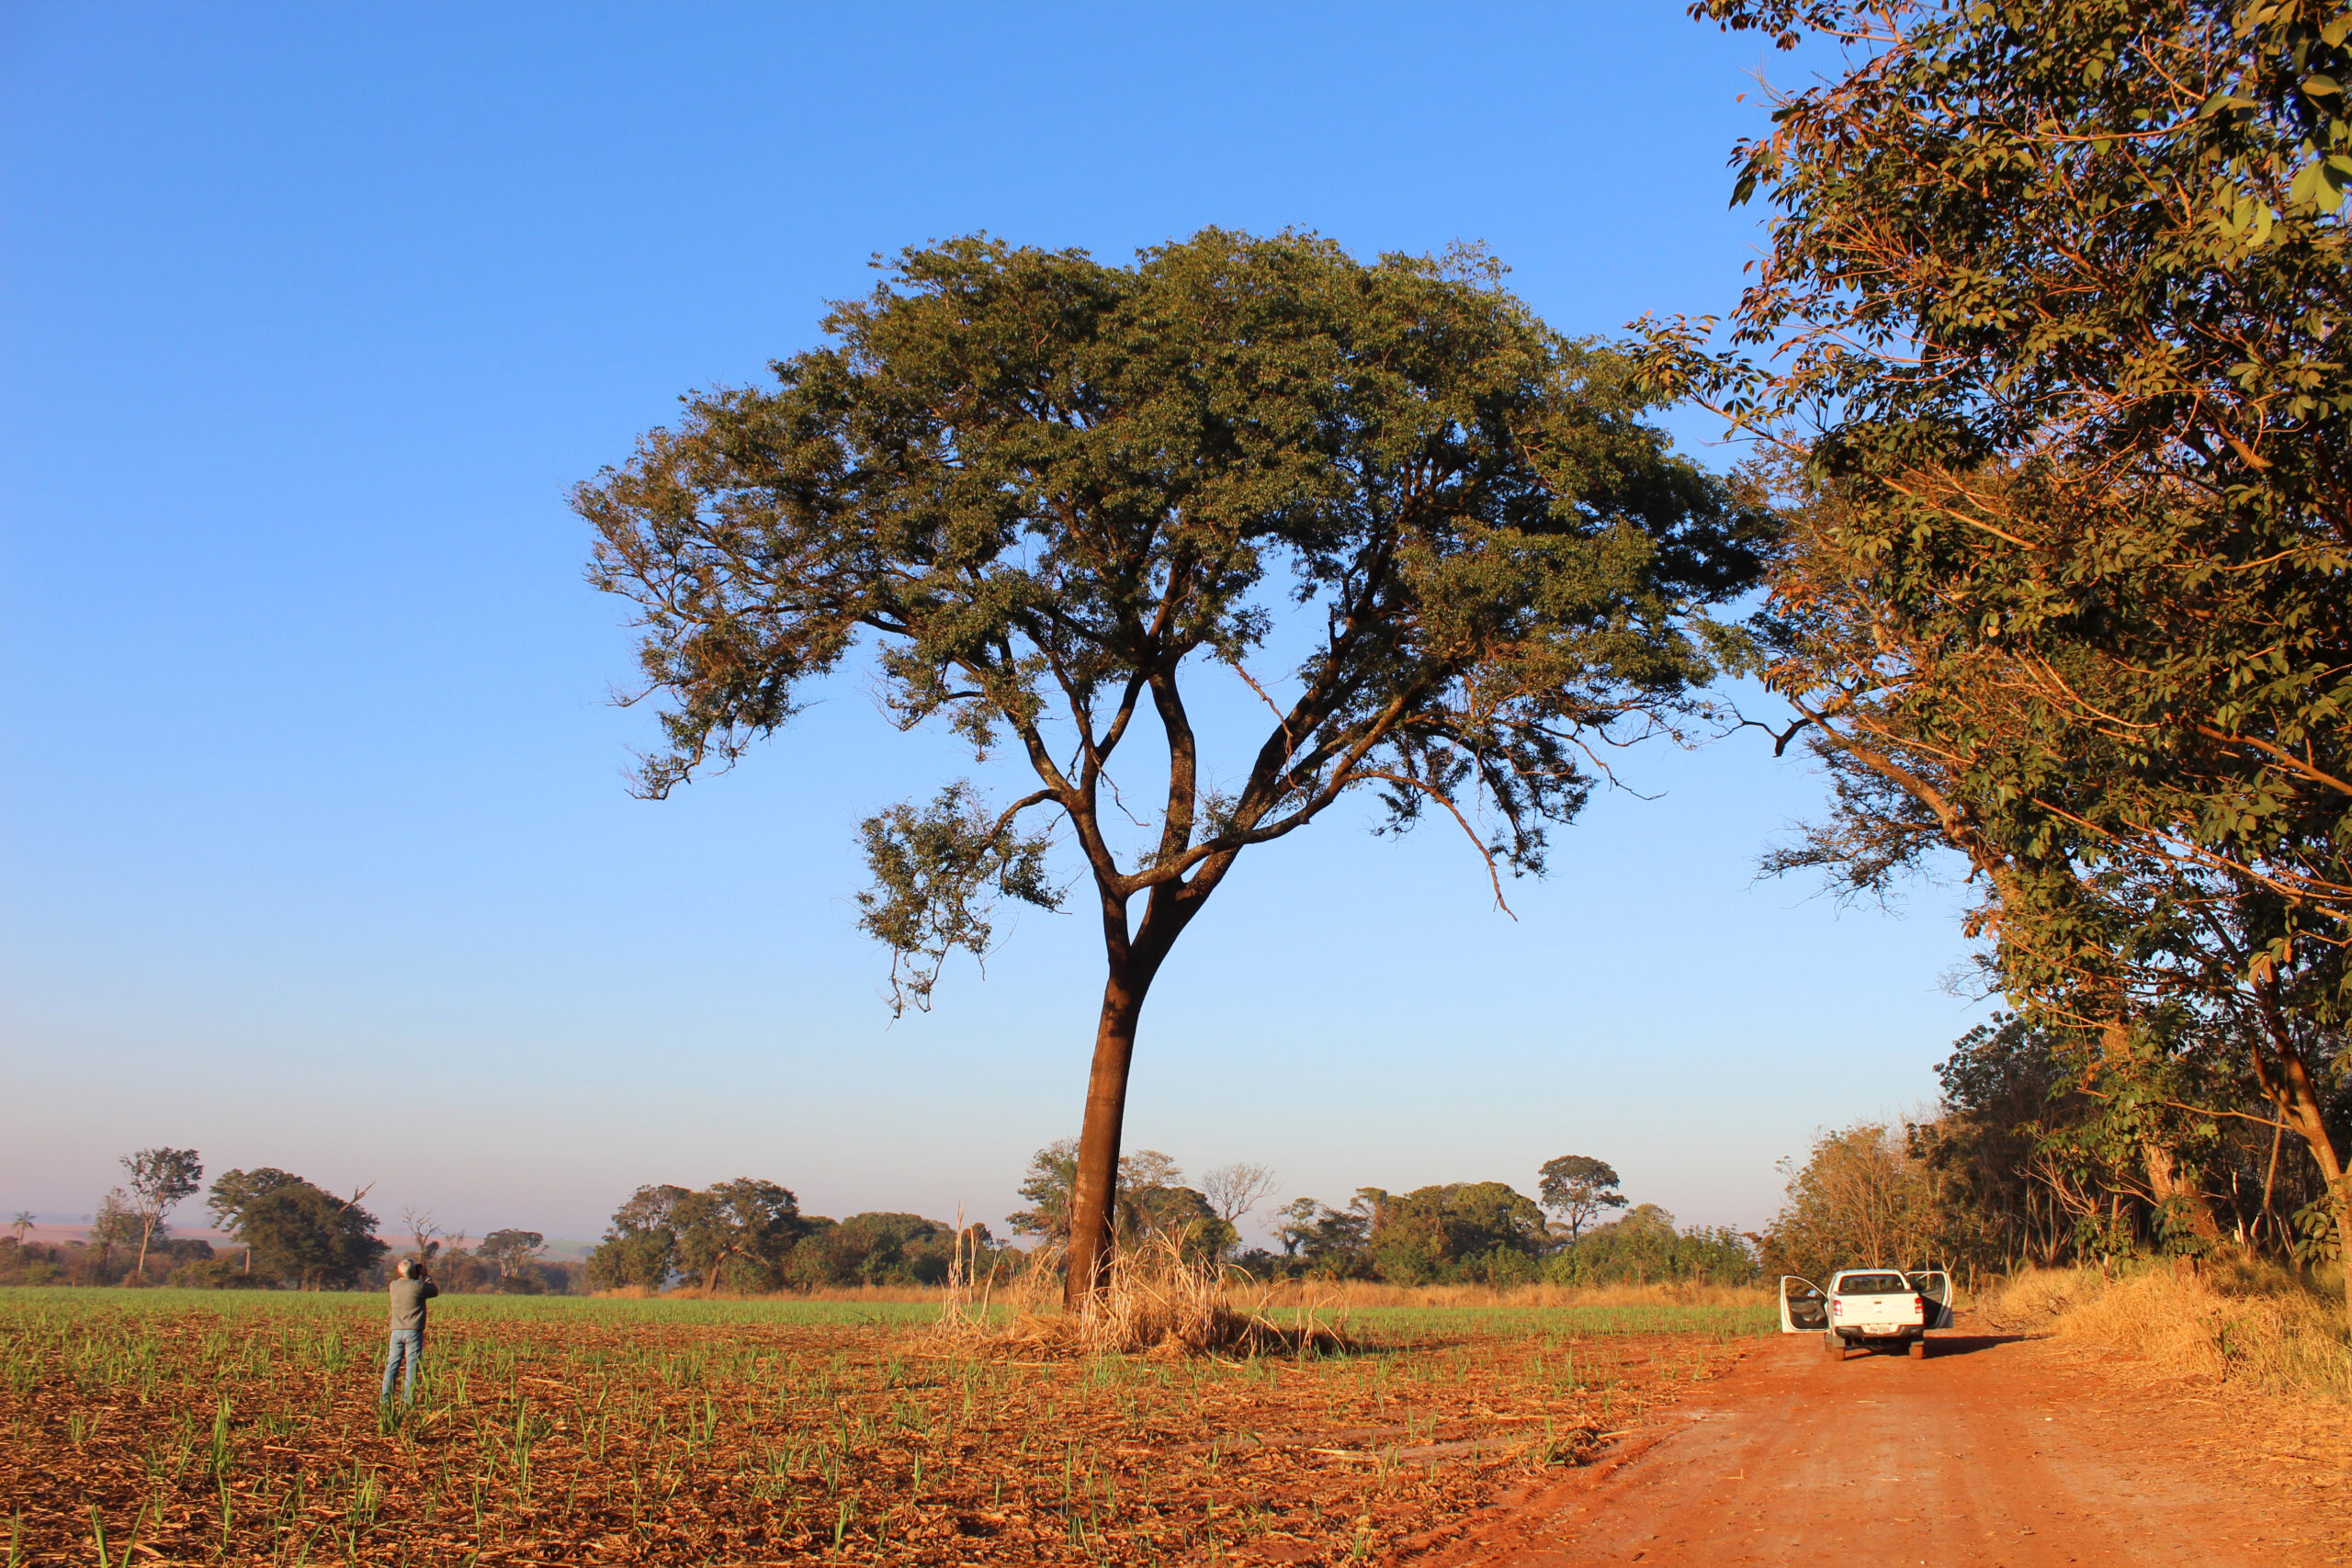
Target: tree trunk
2295, 1094
145, 1234
2166, 1187
2184, 1198
1094, 1196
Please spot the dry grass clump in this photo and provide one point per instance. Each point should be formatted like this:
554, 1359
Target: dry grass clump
2235, 1320
1165, 1303
1159, 1303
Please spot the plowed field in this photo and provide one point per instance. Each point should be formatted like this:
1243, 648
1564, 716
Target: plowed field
147, 1426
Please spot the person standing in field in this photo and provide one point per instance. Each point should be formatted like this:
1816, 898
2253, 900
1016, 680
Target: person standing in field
410, 1291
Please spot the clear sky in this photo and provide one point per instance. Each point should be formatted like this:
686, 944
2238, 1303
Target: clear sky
314, 848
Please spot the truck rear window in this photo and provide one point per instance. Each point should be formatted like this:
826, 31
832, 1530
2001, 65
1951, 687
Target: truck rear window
1874, 1285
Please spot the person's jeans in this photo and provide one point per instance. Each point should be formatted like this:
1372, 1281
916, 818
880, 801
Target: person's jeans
406, 1350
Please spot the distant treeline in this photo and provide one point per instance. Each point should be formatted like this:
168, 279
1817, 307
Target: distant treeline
1472, 1233
286, 1234
2026, 1159
749, 1237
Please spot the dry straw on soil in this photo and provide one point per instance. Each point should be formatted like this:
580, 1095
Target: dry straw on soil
2232, 1320
1159, 1303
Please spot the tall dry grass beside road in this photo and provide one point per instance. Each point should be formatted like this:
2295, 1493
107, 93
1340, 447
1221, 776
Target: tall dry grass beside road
2233, 1321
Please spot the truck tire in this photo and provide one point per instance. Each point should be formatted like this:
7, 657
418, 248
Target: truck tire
1919, 1350
1832, 1344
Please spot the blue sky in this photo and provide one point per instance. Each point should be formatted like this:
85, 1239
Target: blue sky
314, 848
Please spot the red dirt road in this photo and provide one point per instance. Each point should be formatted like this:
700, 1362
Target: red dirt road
2000, 1453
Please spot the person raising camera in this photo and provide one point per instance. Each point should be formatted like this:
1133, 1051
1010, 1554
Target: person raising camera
410, 1289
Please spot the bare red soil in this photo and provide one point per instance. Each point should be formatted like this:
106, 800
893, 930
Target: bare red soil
2020, 1454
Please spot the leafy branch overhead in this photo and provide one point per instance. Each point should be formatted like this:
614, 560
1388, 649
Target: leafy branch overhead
937, 874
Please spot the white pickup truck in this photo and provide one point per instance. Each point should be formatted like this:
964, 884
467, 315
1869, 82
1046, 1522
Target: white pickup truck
1868, 1307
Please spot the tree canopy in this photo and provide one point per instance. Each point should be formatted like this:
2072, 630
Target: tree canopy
160, 1180
742, 1227
1579, 1189
298, 1233
1046, 492
2055, 296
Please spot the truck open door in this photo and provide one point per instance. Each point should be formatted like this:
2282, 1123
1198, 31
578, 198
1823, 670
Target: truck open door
1934, 1292
1803, 1309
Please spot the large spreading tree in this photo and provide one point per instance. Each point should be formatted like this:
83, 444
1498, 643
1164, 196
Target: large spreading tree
1048, 496
2056, 298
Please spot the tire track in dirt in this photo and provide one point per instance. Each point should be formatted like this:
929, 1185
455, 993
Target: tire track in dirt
1991, 1454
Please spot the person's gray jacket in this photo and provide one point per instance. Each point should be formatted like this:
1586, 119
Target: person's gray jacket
409, 1297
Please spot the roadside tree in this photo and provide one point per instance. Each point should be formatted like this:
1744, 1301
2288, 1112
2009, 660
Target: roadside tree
1046, 494
2056, 298
1861, 1199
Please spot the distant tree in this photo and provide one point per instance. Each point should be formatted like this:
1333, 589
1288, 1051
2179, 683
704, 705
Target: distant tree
1434, 1233
748, 1224
461, 1270
1052, 1176
1328, 1242
640, 1247
160, 1180
231, 1193
307, 1235
1152, 1199
1146, 1170
1235, 1189
1861, 1199
879, 1249
115, 1224
1043, 492
1178, 1214
1644, 1247
514, 1254
1579, 1189
424, 1233
22, 1224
